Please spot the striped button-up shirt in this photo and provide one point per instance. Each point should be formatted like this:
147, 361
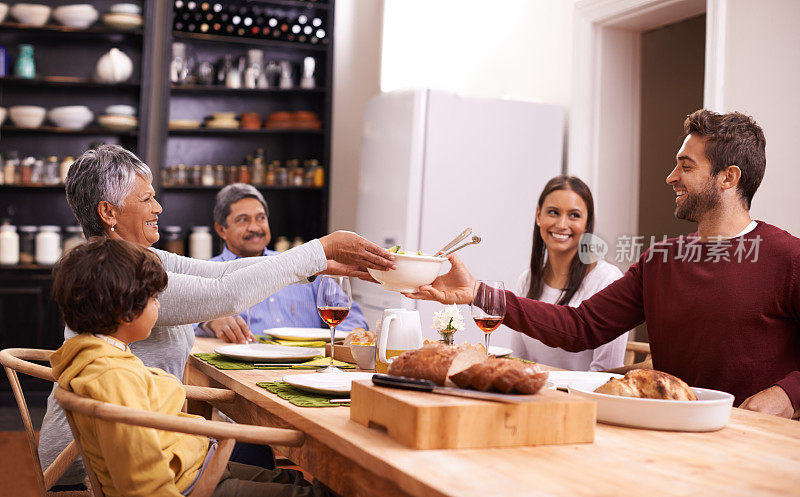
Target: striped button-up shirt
293, 306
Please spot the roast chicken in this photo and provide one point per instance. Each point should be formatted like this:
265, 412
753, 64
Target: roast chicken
648, 384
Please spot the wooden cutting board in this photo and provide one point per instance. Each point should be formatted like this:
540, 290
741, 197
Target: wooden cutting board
431, 421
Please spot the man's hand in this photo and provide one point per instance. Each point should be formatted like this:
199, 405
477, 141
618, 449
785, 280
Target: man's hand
773, 400
231, 329
349, 249
457, 286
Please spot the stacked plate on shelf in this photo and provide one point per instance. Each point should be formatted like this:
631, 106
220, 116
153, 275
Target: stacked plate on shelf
223, 120
119, 117
125, 16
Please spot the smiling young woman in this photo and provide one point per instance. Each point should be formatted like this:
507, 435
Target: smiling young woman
557, 275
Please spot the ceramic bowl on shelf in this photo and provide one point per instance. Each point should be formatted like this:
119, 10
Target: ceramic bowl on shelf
74, 117
121, 110
118, 123
27, 116
31, 13
123, 21
125, 8
3, 113
3, 11
76, 16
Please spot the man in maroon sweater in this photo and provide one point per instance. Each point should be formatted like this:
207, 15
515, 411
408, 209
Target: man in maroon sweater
722, 305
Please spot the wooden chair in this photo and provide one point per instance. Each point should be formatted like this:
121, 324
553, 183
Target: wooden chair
18, 360
631, 349
225, 433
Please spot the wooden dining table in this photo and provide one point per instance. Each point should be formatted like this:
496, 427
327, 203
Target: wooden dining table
754, 455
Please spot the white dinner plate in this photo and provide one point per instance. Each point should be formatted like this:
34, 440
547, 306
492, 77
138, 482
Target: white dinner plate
298, 334
563, 379
268, 353
711, 411
327, 383
499, 351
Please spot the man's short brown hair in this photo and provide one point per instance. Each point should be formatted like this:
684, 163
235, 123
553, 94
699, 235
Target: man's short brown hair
732, 139
104, 282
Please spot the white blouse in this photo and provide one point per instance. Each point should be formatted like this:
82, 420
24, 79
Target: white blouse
609, 355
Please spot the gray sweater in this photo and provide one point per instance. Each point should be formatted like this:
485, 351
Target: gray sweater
196, 291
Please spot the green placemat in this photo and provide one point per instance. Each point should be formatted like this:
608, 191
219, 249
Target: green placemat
299, 397
221, 362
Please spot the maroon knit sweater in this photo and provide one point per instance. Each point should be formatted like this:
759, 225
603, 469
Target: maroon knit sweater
731, 325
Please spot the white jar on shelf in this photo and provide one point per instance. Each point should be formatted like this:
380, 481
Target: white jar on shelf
200, 243
9, 245
48, 245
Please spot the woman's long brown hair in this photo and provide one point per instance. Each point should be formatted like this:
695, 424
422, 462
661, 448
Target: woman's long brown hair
577, 269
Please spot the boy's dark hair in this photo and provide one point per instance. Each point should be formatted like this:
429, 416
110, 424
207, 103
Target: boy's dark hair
732, 139
104, 282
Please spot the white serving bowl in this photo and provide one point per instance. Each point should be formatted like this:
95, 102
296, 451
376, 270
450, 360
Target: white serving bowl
412, 272
121, 110
76, 16
118, 123
711, 411
125, 8
31, 13
3, 11
71, 117
27, 116
3, 113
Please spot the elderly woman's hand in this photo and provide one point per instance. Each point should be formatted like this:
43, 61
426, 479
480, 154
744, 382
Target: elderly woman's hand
358, 253
457, 286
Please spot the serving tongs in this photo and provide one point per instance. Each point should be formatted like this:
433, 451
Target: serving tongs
474, 241
385, 380
453, 242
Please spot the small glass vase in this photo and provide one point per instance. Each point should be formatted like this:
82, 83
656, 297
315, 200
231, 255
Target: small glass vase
447, 337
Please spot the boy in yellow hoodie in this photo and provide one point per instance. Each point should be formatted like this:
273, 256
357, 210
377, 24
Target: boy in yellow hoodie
106, 290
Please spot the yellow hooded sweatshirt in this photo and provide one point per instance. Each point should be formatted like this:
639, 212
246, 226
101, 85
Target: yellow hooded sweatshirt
129, 460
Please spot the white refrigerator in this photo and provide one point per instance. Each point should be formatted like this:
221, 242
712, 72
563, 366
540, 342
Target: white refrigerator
434, 163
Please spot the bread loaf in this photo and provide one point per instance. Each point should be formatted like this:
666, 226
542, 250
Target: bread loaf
437, 361
648, 384
505, 375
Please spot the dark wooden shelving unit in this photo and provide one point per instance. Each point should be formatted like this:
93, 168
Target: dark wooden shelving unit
97, 29
259, 187
294, 211
66, 83
65, 62
219, 90
242, 131
254, 42
89, 130
66, 58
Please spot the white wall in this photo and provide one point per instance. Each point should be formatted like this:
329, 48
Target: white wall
356, 78
756, 72
505, 48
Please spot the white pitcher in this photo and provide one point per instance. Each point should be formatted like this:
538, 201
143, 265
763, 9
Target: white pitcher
400, 330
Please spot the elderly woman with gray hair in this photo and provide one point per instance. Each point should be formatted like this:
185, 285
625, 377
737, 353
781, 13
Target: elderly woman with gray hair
111, 194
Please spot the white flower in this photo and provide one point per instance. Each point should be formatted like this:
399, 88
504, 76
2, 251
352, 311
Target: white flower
448, 319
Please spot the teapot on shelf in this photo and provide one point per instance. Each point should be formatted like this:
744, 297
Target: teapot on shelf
114, 67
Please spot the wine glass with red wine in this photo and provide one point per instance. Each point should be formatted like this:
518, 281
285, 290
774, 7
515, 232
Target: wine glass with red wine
333, 304
489, 306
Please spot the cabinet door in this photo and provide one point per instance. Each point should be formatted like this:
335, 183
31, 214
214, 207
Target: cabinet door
29, 317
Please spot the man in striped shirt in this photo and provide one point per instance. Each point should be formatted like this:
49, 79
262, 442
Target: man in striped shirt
241, 220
